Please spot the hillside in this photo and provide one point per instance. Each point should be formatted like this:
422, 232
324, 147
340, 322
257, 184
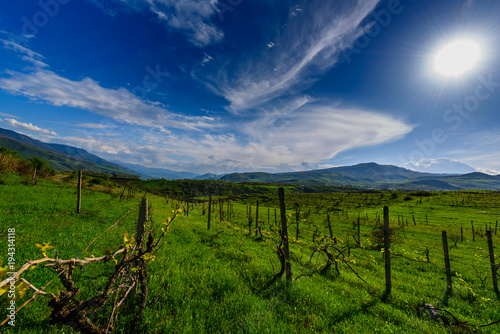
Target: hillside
372, 175
61, 157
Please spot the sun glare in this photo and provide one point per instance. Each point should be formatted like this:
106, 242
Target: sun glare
456, 58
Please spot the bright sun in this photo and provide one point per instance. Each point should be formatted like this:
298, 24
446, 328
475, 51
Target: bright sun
456, 58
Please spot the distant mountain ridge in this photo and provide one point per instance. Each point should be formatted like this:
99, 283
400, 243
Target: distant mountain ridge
366, 175
150, 172
372, 175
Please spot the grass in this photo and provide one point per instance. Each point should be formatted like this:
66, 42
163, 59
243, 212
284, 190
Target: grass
221, 281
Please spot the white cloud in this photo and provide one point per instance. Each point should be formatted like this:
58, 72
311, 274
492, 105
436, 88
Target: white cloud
8, 115
206, 59
27, 126
488, 171
318, 133
276, 140
96, 126
27, 55
310, 44
441, 165
117, 104
192, 17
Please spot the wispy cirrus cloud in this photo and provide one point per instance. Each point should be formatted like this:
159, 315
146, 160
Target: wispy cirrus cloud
40, 84
118, 104
8, 115
96, 126
27, 126
315, 35
36, 59
193, 18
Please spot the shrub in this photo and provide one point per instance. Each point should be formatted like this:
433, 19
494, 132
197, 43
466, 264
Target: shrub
43, 167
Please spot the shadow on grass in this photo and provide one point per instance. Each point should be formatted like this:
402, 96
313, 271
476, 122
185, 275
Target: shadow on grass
448, 293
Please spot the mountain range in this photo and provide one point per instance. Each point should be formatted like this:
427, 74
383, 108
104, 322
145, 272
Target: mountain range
372, 175
61, 157
365, 175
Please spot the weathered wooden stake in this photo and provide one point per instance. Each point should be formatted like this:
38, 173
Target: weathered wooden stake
447, 261
221, 212
492, 261
141, 222
473, 233
387, 252
257, 219
414, 222
209, 210
284, 235
359, 234
79, 192
123, 193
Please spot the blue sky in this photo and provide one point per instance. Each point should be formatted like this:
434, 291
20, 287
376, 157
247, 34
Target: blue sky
237, 85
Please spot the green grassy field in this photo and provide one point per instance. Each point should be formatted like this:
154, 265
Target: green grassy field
221, 281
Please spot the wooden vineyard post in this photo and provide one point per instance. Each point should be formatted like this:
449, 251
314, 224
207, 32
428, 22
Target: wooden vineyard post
221, 211
492, 261
257, 219
329, 225
387, 253
209, 210
141, 222
79, 192
187, 207
447, 261
359, 235
276, 221
473, 234
203, 207
284, 235
123, 193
